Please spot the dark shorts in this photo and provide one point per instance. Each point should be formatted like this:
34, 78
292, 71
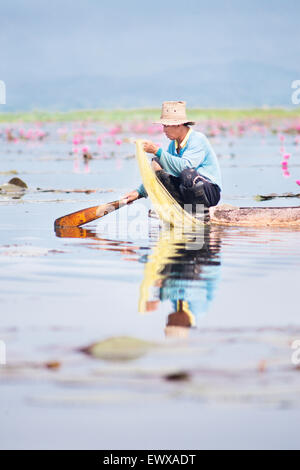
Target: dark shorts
190, 187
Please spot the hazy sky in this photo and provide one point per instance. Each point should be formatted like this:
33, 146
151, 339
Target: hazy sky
121, 38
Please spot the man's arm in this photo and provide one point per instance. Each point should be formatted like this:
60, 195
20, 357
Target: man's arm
192, 158
142, 191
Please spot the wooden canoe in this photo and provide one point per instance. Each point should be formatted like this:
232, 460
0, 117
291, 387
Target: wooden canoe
225, 214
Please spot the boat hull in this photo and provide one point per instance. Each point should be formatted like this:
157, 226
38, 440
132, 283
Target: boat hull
255, 216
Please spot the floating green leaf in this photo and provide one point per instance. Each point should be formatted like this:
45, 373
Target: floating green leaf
122, 348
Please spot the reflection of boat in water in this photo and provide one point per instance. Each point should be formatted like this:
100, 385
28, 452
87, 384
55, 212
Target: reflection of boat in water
183, 274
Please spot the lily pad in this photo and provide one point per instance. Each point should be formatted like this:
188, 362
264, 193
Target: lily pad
15, 186
18, 182
9, 172
179, 376
120, 348
267, 197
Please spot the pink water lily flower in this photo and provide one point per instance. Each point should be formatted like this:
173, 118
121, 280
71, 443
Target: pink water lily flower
85, 149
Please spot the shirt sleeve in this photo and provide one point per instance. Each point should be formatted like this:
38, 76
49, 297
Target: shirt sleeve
142, 191
191, 158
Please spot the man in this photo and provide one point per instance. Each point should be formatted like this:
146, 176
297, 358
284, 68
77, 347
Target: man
189, 169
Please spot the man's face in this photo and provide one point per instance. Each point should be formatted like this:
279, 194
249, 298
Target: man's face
173, 132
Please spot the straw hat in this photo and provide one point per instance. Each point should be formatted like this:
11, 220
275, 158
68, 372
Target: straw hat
173, 113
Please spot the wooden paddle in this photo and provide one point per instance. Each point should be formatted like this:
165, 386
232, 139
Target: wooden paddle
76, 219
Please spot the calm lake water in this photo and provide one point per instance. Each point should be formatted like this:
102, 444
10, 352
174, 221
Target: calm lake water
194, 347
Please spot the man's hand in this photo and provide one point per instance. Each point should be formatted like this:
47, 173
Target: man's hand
150, 147
130, 197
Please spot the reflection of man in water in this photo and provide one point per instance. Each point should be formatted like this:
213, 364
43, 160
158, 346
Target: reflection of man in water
189, 280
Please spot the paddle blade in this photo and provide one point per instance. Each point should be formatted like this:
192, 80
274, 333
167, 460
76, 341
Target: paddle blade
76, 219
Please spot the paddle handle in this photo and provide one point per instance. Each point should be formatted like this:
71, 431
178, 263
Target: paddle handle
84, 216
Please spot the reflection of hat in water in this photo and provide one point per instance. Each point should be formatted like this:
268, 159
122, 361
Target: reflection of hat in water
181, 321
183, 315
173, 113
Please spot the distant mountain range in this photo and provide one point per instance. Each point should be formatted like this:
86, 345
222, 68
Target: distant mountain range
235, 84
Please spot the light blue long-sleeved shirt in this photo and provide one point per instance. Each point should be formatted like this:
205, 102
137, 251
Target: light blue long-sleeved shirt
196, 153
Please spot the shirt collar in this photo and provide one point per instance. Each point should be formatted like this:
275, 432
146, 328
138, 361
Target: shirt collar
184, 142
